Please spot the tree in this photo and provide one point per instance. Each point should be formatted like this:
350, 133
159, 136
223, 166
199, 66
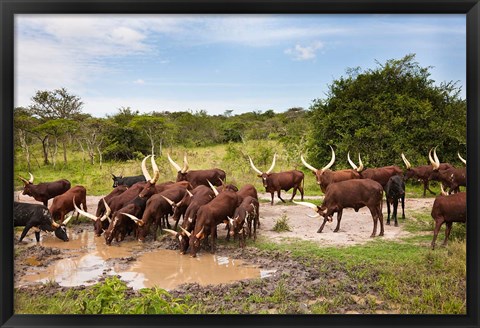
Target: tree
49, 105
153, 126
58, 129
56, 104
382, 112
24, 124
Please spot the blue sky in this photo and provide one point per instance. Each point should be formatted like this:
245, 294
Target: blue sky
221, 62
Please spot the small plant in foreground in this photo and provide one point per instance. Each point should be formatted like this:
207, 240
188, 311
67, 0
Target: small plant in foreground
281, 224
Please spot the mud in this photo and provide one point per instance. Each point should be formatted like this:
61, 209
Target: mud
304, 285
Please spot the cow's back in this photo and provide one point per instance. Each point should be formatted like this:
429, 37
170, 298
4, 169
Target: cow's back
354, 191
452, 207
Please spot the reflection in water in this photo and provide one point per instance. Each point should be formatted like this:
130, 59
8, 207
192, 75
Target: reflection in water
162, 268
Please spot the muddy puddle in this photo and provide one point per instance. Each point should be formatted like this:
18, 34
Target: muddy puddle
86, 258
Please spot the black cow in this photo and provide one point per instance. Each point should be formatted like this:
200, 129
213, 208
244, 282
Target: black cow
38, 217
395, 189
126, 181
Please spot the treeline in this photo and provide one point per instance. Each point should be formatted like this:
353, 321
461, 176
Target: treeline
380, 112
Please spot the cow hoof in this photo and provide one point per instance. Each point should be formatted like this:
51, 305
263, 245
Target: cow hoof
396, 224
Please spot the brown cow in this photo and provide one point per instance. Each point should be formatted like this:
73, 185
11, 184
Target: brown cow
245, 214
421, 173
452, 178
379, 174
448, 209
121, 224
158, 207
42, 192
209, 216
325, 176
63, 203
276, 182
355, 194
197, 177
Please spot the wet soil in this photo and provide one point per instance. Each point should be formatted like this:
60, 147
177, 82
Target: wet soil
303, 284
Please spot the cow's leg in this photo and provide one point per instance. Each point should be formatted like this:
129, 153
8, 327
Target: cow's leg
155, 229
403, 207
438, 223
375, 216
395, 206
176, 223
339, 218
293, 193
25, 231
380, 218
278, 194
426, 187
254, 227
37, 236
388, 211
448, 228
214, 236
271, 203
323, 225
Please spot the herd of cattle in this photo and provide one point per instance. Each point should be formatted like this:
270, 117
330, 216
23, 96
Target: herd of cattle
139, 205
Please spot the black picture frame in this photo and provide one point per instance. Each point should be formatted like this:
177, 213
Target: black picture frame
8, 9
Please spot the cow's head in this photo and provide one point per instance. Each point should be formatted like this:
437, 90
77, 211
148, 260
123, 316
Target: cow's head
182, 172
319, 210
142, 228
318, 173
99, 223
60, 230
149, 188
195, 239
27, 185
113, 228
116, 180
183, 238
264, 175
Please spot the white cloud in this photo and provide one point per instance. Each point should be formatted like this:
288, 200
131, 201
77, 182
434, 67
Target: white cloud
139, 81
308, 52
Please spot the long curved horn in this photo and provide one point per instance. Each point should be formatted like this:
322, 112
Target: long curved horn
25, 181
185, 163
189, 193
86, 214
172, 232
230, 220
156, 171
31, 177
175, 165
55, 225
407, 163
308, 166
253, 166
199, 234
171, 202
431, 158
308, 204
461, 158
144, 169
443, 192
65, 221
352, 164
134, 218
107, 212
331, 161
273, 164
435, 156
186, 232
215, 191
360, 168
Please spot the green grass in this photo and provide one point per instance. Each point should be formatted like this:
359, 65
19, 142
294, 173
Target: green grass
281, 224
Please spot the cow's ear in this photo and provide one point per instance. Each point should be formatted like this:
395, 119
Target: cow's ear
259, 175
